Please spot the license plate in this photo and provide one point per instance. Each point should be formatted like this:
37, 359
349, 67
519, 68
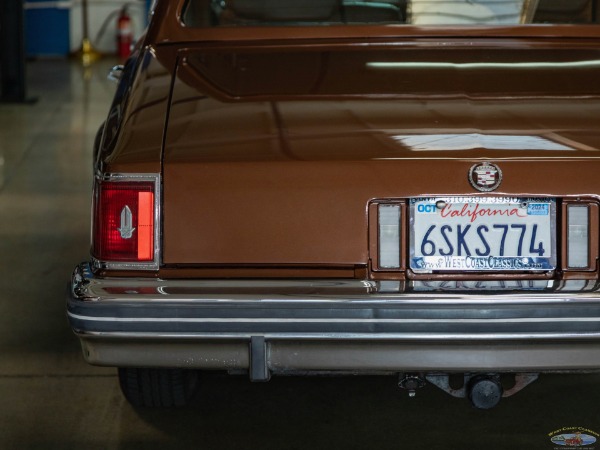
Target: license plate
466, 234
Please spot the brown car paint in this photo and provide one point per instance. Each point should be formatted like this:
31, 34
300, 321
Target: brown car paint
267, 207
278, 139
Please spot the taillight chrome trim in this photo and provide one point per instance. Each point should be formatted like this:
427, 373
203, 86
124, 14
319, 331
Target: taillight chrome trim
154, 178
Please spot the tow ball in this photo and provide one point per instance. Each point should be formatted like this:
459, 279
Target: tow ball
485, 391
411, 383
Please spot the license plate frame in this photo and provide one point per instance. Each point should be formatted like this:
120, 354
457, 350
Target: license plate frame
527, 224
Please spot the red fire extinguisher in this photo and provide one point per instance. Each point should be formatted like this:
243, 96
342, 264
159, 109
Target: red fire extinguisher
124, 34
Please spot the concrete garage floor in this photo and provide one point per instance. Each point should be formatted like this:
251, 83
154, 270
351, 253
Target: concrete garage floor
51, 399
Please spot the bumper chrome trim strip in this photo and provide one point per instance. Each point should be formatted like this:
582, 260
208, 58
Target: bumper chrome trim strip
325, 320
341, 336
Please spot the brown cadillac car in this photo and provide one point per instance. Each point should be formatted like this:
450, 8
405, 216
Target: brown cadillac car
404, 187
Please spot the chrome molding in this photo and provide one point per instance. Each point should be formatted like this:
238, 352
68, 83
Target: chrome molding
87, 287
286, 354
116, 73
326, 308
332, 324
417, 337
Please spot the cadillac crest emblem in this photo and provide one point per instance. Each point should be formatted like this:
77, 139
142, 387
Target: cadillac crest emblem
485, 177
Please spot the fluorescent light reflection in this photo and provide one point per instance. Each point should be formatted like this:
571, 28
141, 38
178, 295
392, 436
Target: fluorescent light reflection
454, 142
483, 65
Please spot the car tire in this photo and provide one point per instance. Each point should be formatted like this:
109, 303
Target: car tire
158, 387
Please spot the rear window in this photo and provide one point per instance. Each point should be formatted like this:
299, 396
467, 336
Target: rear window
227, 13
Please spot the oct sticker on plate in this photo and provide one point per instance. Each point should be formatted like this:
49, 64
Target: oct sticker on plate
482, 234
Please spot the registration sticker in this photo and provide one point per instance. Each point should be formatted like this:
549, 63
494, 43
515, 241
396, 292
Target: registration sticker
452, 234
538, 209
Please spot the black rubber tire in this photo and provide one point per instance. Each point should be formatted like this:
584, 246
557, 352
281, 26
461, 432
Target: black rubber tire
158, 388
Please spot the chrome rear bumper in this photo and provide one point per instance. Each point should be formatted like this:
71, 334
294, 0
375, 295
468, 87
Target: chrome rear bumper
331, 325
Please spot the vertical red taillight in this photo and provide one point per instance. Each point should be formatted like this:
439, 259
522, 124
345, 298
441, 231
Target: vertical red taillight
123, 222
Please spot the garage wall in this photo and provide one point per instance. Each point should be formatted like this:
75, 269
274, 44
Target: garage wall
98, 13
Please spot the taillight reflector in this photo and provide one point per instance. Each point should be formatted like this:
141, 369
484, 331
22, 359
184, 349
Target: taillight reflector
145, 245
123, 221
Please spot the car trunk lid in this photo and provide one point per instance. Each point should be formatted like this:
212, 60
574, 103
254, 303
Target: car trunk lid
272, 156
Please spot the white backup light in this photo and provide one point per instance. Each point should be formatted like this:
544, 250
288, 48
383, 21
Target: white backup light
578, 236
389, 236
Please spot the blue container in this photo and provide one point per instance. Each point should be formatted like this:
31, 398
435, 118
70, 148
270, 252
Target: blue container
47, 27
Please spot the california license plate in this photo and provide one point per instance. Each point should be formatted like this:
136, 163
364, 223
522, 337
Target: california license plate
465, 234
